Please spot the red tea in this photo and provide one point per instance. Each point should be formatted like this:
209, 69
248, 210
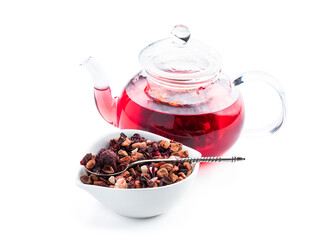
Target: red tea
206, 127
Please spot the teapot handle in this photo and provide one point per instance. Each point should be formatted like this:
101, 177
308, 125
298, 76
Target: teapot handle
257, 76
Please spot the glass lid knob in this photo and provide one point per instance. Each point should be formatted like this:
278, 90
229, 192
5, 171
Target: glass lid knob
180, 34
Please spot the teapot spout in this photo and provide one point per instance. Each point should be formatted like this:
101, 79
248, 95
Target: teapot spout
105, 102
99, 78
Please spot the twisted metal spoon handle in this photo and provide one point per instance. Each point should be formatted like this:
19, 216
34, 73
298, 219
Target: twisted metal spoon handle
197, 159
210, 159
189, 159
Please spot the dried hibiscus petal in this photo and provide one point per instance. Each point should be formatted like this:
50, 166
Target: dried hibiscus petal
166, 180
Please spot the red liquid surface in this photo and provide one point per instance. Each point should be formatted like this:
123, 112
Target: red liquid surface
211, 133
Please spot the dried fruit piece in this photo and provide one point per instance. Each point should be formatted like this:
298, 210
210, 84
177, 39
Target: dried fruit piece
181, 153
173, 177
100, 183
108, 169
139, 145
167, 166
175, 168
187, 165
94, 177
112, 180
136, 156
181, 174
162, 172
86, 158
144, 169
146, 175
125, 174
165, 144
123, 150
175, 146
137, 184
132, 171
90, 164
125, 160
179, 179
127, 142
121, 183
85, 179
122, 153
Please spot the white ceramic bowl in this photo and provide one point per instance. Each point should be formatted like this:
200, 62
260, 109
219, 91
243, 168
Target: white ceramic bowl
143, 202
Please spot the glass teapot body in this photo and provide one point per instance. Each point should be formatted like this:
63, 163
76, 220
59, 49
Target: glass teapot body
182, 94
208, 118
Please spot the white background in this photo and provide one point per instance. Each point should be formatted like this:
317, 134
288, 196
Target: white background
48, 117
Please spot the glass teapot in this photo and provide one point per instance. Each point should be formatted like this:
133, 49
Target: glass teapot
182, 94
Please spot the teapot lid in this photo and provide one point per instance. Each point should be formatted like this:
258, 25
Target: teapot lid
180, 58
